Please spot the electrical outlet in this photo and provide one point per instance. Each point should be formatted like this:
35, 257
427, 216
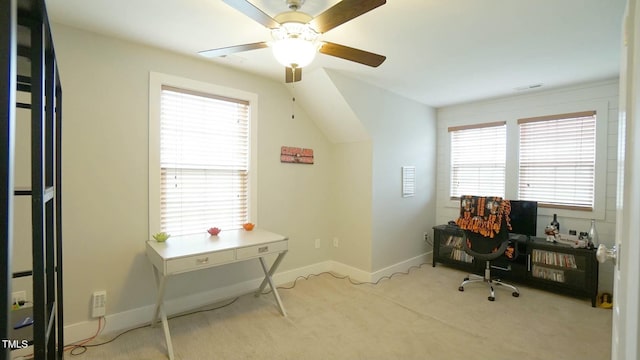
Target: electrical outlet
336, 242
18, 298
425, 236
317, 243
99, 304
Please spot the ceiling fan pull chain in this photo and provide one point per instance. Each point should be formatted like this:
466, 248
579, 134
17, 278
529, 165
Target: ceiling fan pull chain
293, 98
293, 109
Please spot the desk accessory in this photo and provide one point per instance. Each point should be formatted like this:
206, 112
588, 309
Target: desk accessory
248, 226
161, 237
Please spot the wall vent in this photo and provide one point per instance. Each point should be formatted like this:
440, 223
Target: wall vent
408, 181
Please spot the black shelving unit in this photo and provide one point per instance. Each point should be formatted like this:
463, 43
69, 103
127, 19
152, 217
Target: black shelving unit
29, 66
7, 125
548, 266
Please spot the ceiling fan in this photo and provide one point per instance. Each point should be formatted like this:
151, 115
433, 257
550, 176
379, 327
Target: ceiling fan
296, 35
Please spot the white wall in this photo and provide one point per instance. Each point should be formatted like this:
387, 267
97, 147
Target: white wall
351, 194
601, 96
403, 134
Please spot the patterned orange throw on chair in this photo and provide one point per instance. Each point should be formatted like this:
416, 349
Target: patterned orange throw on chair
483, 215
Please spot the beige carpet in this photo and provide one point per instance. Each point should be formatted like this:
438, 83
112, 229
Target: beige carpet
417, 316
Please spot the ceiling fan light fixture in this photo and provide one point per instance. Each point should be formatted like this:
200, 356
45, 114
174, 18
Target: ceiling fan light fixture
294, 52
294, 44
296, 34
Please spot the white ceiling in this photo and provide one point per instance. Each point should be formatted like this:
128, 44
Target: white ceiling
439, 52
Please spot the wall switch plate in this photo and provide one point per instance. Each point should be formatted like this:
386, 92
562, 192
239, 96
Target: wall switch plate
317, 243
336, 242
99, 304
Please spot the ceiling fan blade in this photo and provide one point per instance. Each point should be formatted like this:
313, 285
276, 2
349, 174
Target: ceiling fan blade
349, 53
292, 75
253, 12
342, 12
232, 49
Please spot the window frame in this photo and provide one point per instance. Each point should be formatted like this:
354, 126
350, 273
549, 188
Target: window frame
481, 126
156, 82
559, 117
605, 168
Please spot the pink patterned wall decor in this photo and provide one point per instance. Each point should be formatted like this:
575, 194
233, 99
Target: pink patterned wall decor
296, 155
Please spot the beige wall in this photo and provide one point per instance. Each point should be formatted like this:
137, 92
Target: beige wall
403, 134
21, 259
352, 193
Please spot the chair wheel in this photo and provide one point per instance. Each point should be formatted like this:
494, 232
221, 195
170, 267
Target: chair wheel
491, 298
461, 288
466, 279
515, 294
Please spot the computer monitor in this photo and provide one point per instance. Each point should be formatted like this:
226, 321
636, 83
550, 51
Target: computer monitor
524, 217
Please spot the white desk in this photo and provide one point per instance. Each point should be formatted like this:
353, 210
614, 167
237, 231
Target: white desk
190, 253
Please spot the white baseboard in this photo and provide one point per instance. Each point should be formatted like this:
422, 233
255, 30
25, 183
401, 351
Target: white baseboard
139, 316
354, 273
402, 266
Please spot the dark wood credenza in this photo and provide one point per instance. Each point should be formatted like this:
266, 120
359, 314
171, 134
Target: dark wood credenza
549, 266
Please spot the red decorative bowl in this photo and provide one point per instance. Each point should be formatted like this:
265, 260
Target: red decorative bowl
214, 231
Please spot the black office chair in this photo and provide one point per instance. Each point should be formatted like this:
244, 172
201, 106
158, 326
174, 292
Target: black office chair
486, 248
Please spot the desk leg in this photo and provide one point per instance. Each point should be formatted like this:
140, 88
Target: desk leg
160, 313
268, 279
272, 271
167, 334
160, 283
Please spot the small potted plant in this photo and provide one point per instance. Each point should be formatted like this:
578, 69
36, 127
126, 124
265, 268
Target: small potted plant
161, 236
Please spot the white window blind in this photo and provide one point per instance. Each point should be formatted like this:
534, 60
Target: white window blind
204, 161
557, 160
478, 160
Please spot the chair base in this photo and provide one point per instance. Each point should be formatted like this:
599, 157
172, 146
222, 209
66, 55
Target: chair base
473, 278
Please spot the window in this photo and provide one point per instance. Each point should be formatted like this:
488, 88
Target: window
557, 160
199, 158
478, 154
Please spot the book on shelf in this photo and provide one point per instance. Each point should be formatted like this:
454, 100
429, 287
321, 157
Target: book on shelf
455, 241
554, 258
457, 253
460, 255
548, 274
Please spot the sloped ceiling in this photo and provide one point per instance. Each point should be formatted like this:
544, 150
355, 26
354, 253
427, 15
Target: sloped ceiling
320, 98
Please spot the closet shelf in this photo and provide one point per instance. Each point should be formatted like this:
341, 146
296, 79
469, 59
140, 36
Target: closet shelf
24, 83
20, 274
48, 194
25, 273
